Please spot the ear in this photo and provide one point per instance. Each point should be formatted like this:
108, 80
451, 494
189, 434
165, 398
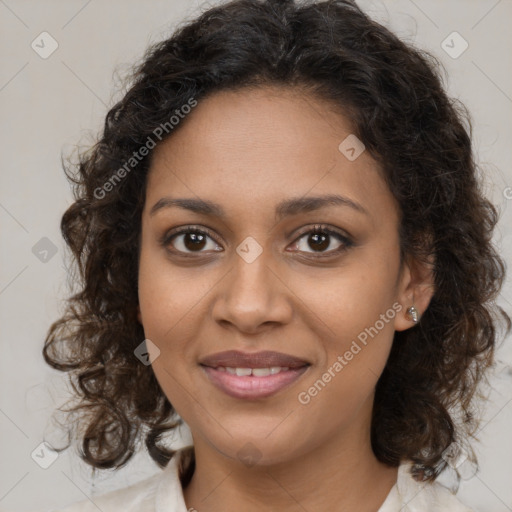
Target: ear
416, 288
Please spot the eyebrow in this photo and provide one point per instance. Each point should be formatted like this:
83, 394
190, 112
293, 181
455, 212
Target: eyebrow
293, 206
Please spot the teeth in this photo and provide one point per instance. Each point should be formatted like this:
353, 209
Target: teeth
261, 372
256, 372
242, 372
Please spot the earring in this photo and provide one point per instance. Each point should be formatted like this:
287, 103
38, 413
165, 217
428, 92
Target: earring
412, 314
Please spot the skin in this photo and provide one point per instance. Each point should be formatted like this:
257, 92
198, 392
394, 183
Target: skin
248, 150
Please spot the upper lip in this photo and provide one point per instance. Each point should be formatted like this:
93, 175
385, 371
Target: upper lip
264, 359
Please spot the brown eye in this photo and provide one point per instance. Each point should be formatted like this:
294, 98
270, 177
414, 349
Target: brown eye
190, 240
320, 239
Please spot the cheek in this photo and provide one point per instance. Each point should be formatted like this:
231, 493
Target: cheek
352, 298
174, 306
357, 306
163, 301
362, 310
167, 308
165, 294
355, 350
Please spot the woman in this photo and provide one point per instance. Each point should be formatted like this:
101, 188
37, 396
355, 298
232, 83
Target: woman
283, 243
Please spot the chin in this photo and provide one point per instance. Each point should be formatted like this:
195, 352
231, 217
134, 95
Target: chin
260, 450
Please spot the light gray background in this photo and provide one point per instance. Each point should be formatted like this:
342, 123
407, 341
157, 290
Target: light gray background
48, 105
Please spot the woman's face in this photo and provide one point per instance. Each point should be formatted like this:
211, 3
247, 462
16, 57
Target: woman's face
259, 280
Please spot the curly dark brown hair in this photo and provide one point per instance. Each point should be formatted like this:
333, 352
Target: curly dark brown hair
396, 99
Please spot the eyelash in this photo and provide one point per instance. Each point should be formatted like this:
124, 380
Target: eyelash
317, 229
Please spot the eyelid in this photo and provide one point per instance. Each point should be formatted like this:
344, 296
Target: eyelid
166, 238
345, 238
324, 228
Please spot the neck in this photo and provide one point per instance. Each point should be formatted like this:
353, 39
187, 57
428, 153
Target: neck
343, 475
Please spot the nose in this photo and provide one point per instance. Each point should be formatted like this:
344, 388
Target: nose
252, 296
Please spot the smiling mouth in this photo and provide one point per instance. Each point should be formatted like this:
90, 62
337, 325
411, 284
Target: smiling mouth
256, 372
253, 383
253, 375
262, 359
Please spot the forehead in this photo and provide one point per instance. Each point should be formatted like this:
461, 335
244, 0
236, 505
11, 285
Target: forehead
254, 147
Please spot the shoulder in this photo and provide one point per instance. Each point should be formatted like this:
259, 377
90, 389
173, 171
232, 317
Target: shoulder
161, 492
139, 497
426, 496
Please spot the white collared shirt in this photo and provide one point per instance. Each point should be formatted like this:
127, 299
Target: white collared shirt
163, 492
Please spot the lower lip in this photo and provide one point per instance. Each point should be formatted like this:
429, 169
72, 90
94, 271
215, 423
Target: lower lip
252, 387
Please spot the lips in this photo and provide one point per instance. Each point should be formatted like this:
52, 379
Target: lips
249, 376
264, 359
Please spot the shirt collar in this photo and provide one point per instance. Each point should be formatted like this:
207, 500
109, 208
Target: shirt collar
169, 495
